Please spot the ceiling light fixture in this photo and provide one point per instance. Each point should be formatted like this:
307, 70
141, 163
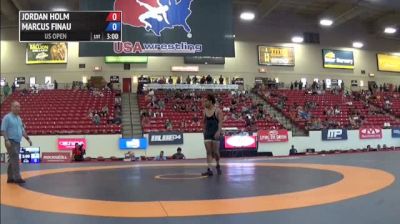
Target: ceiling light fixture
390, 30
247, 16
326, 22
358, 44
297, 39
59, 9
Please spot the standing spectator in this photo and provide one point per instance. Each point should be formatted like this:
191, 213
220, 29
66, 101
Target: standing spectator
13, 87
203, 80
188, 80
170, 81
291, 86
12, 130
323, 85
55, 84
178, 81
6, 90
195, 79
221, 80
178, 154
209, 79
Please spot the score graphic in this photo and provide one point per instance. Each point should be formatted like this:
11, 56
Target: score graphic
82, 26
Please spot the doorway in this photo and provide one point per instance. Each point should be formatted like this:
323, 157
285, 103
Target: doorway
127, 85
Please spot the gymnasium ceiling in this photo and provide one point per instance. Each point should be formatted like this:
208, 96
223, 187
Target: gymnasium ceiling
373, 14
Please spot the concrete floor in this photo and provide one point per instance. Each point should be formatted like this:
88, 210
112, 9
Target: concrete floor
242, 178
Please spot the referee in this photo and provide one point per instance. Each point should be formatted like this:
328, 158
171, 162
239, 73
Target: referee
13, 129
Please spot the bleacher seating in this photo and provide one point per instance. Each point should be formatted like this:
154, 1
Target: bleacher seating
178, 118
327, 99
394, 98
51, 112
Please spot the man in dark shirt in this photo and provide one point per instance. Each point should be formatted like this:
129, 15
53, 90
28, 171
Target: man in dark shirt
178, 154
292, 151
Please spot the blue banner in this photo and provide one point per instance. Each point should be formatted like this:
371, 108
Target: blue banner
132, 143
334, 134
395, 132
338, 59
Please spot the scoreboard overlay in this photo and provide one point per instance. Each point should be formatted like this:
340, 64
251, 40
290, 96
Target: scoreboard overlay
63, 26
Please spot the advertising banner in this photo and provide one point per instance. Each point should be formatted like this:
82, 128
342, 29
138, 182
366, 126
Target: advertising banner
56, 157
166, 138
132, 143
388, 62
240, 142
371, 133
334, 134
269, 136
338, 59
283, 56
164, 27
395, 132
46, 53
69, 143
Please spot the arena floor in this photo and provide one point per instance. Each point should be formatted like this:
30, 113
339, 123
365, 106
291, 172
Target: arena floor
359, 188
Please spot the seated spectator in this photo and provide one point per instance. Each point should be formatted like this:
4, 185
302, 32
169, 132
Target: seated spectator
316, 124
78, 152
161, 104
130, 156
178, 154
104, 111
96, 118
304, 114
378, 148
336, 110
168, 125
329, 111
151, 93
160, 157
292, 151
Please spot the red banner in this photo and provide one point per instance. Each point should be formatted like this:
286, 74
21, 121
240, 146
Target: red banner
273, 136
371, 133
56, 157
69, 143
